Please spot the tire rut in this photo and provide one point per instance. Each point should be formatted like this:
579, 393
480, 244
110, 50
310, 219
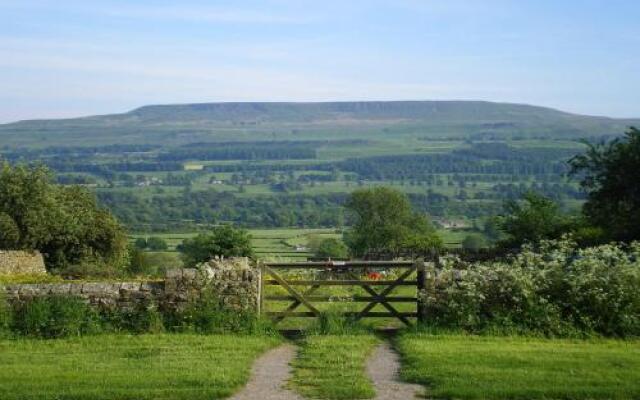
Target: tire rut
269, 375
383, 367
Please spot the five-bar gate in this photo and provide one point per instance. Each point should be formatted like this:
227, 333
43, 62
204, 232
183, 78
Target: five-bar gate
301, 292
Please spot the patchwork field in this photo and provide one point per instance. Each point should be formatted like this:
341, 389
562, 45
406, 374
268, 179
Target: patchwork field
268, 244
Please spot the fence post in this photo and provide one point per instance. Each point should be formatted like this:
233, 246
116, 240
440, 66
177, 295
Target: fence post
422, 287
260, 287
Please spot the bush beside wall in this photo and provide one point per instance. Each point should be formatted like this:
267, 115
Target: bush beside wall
553, 288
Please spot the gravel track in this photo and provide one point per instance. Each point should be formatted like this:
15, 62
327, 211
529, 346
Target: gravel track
269, 375
383, 368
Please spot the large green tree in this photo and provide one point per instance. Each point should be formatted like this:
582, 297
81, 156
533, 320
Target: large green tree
330, 248
610, 174
225, 241
531, 219
383, 222
62, 222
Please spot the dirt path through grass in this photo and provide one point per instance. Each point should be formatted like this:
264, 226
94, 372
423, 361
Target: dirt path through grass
383, 368
269, 375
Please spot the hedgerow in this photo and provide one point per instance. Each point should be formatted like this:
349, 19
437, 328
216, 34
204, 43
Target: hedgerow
554, 288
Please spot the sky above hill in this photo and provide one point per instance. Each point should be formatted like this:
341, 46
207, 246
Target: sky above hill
71, 58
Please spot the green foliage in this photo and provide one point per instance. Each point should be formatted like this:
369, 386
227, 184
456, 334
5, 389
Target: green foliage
9, 232
383, 222
142, 318
225, 241
474, 241
208, 316
492, 230
138, 264
54, 317
141, 243
554, 288
532, 219
330, 248
6, 315
63, 223
335, 322
609, 173
91, 268
143, 263
155, 243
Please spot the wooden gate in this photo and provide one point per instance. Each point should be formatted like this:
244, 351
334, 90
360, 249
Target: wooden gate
345, 273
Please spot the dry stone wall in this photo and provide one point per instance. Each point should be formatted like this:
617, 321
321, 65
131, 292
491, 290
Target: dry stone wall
235, 281
13, 262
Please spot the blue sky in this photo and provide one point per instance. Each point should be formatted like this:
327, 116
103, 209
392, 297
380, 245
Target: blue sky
71, 58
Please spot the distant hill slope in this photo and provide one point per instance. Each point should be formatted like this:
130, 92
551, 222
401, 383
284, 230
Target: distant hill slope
186, 123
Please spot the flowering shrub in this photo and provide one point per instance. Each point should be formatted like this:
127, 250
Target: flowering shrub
554, 288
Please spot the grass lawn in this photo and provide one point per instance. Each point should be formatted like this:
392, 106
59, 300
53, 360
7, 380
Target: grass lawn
333, 367
471, 367
109, 367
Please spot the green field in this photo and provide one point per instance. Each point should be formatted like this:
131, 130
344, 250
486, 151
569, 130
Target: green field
268, 244
169, 367
471, 367
289, 244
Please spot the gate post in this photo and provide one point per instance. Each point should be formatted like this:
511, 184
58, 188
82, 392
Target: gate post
421, 289
260, 287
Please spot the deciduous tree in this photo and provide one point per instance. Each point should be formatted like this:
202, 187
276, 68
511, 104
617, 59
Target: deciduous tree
609, 173
384, 222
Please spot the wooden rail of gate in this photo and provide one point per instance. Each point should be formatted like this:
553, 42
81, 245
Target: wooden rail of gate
382, 296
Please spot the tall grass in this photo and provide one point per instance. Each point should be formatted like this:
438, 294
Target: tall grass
63, 316
334, 321
6, 315
207, 315
55, 316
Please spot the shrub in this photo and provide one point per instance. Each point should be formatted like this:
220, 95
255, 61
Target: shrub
553, 288
207, 315
6, 315
155, 243
55, 316
138, 262
140, 243
474, 242
331, 248
225, 241
90, 268
142, 318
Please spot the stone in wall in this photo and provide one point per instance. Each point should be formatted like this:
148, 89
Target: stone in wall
13, 262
